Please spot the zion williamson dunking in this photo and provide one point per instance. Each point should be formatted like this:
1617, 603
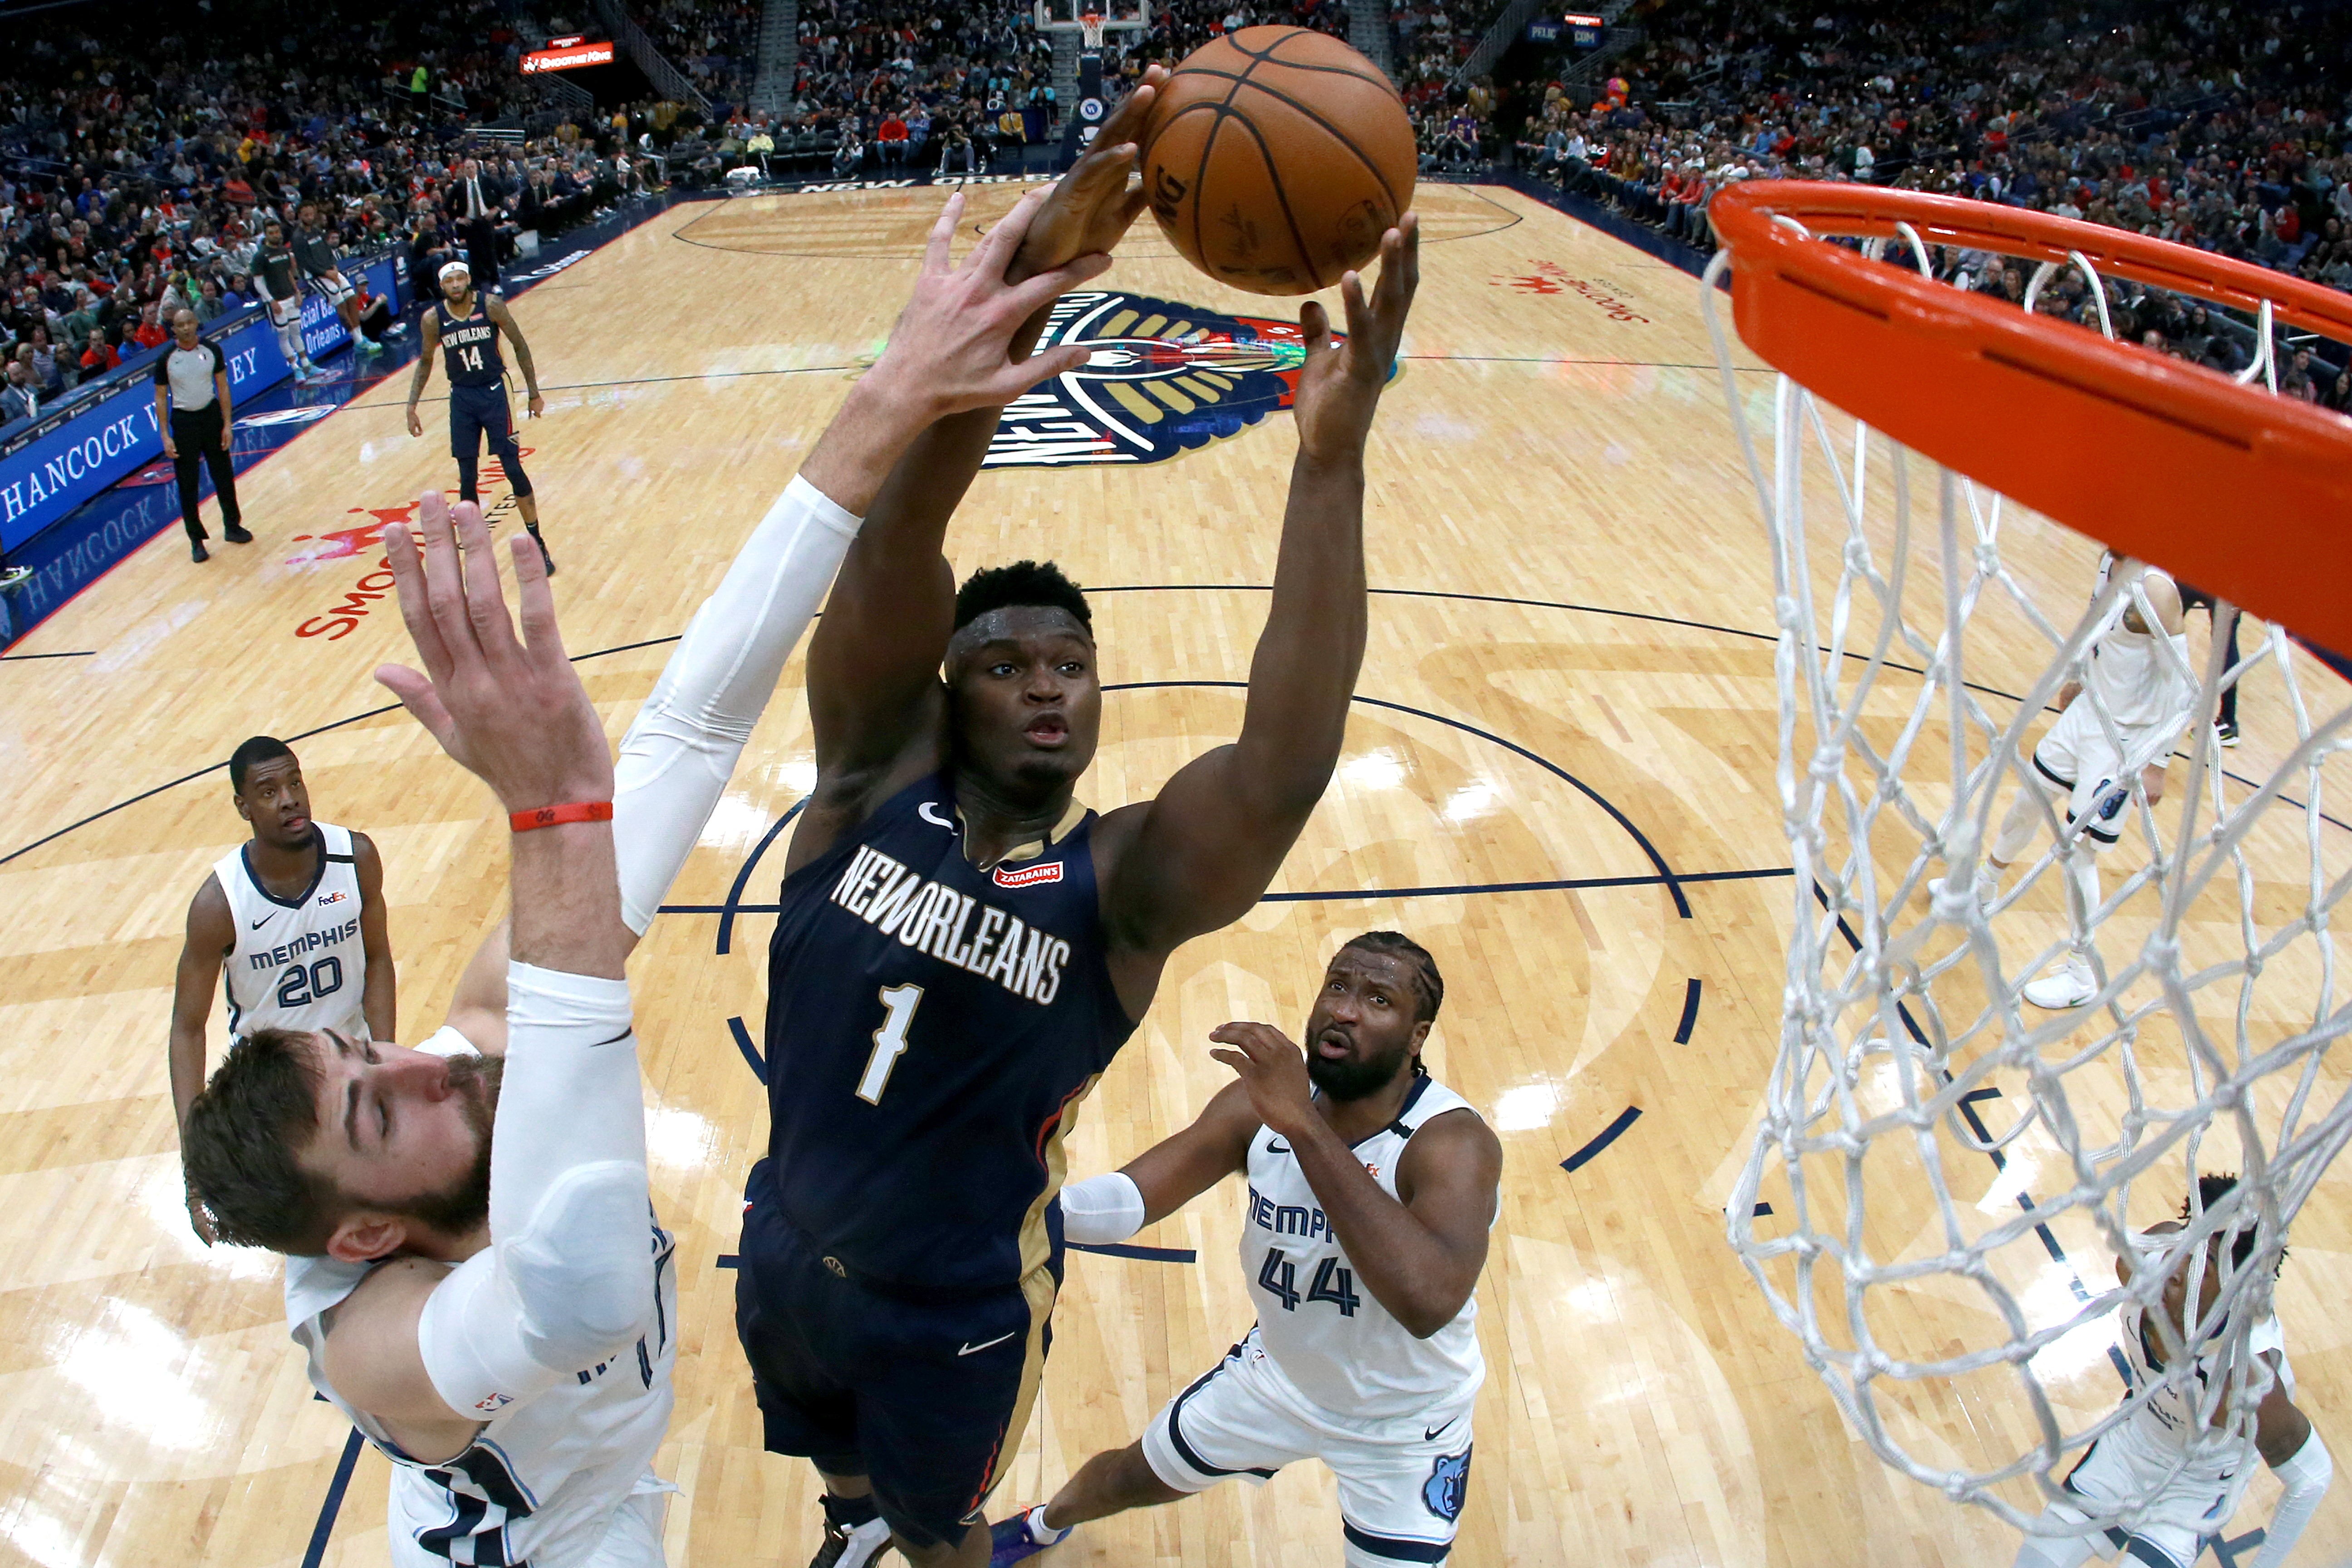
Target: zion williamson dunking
963, 945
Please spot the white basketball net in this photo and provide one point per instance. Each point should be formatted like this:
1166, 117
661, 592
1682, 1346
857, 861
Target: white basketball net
1950, 1169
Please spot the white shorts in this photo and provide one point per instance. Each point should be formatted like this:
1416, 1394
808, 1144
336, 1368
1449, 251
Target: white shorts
336, 293
2076, 757
286, 312
631, 1537
1402, 1483
2193, 1506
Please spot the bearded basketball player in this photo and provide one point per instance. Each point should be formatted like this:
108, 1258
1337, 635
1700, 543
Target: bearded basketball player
293, 921
466, 327
520, 1389
1362, 1171
963, 946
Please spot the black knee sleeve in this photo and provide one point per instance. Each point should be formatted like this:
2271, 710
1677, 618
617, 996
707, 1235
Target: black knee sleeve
509, 457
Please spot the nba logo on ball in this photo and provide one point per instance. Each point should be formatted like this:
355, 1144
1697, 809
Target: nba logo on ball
1448, 1484
1164, 378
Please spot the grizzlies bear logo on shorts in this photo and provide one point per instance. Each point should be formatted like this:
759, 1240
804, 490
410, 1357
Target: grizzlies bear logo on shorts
1448, 1484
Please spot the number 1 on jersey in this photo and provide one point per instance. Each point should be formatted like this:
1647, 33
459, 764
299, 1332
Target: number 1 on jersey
889, 1040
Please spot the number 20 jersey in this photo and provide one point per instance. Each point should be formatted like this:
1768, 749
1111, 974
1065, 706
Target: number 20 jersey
931, 1028
1324, 1332
298, 963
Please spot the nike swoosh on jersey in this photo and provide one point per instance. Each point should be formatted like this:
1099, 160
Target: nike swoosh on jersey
1430, 1435
975, 1349
264, 920
1276, 1146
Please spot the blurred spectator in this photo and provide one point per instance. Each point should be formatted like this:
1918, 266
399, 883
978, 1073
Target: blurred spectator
17, 398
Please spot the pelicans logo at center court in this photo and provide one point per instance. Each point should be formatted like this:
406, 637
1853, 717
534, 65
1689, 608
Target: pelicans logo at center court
1164, 378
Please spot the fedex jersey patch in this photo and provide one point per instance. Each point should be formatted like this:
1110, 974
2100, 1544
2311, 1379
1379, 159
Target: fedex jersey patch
1028, 876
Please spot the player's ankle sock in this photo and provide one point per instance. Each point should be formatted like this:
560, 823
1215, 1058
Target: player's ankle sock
1041, 1533
849, 1512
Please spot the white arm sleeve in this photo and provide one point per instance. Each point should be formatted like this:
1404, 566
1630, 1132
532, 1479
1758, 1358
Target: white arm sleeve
568, 1278
2307, 1476
676, 758
1100, 1209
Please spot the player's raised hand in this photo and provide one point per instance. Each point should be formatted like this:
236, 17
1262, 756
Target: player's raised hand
510, 710
1090, 208
1274, 1070
951, 348
1339, 387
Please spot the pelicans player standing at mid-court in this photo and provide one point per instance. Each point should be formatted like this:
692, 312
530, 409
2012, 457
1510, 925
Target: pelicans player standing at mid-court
1372, 1190
465, 327
292, 922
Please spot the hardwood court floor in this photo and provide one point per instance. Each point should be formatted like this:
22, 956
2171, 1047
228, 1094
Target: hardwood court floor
1568, 690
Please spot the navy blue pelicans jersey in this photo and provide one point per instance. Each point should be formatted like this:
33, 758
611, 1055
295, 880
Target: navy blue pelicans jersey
469, 346
931, 1027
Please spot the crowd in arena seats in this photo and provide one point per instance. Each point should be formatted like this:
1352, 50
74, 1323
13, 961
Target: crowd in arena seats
1180, 26
900, 86
897, 87
137, 168
715, 42
2218, 123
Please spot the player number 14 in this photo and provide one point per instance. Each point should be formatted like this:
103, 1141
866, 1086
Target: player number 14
899, 1003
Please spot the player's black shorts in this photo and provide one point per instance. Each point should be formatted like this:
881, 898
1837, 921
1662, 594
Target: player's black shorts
928, 1399
476, 412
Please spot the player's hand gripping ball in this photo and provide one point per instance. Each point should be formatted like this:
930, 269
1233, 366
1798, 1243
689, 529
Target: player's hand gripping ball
1277, 158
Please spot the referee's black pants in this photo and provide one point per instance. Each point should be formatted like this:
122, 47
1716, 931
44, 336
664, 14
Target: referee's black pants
196, 435
482, 251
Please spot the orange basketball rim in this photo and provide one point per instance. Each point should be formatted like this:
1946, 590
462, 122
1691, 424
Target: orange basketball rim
2245, 494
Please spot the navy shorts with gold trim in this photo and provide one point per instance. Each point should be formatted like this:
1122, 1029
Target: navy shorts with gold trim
928, 1399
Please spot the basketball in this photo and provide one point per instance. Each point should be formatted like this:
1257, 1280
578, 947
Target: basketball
1277, 158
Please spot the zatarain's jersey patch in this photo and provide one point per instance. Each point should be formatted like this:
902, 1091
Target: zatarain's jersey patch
1028, 876
1163, 378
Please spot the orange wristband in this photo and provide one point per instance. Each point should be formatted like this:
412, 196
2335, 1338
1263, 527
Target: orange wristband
555, 816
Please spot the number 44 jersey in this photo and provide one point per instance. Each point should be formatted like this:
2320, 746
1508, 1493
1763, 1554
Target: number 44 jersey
1325, 1334
298, 963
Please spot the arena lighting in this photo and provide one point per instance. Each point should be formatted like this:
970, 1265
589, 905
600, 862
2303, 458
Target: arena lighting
570, 56
1578, 20
566, 43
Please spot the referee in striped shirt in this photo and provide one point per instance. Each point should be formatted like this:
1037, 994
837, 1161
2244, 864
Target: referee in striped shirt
191, 407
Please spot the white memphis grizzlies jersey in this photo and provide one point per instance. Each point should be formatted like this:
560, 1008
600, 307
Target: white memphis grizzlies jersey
549, 1479
2141, 685
1328, 1338
298, 963
2169, 1419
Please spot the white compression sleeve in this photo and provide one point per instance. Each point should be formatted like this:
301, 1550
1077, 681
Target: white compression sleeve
2307, 1476
1101, 1209
676, 758
568, 1278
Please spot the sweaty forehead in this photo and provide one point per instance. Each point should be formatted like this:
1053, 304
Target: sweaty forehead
1020, 623
1382, 969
